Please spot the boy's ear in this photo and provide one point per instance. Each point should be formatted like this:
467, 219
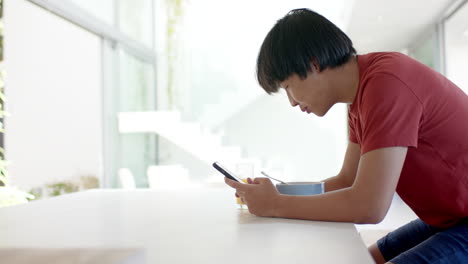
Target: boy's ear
314, 66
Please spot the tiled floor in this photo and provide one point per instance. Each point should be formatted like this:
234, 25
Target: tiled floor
370, 236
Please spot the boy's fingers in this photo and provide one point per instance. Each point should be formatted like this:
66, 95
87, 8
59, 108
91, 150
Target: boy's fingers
231, 183
261, 180
234, 184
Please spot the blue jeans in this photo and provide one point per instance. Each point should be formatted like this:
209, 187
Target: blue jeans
418, 242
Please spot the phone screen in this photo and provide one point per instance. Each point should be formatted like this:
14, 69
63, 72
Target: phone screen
226, 172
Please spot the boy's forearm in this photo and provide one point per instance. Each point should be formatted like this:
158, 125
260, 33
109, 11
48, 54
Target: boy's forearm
366, 201
339, 206
335, 183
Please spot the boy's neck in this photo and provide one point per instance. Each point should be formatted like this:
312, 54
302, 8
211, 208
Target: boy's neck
347, 79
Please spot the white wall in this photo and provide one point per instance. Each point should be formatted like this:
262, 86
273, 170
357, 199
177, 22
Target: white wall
53, 88
304, 147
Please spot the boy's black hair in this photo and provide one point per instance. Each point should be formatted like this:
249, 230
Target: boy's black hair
299, 38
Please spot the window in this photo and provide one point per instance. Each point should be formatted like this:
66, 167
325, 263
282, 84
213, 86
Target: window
54, 129
425, 51
456, 44
136, 93
85, 61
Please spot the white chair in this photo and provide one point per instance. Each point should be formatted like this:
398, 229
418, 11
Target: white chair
126, 179
168, 176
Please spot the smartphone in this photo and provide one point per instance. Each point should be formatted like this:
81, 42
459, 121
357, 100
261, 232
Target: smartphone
226, 172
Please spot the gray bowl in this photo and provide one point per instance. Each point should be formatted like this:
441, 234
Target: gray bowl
301, 188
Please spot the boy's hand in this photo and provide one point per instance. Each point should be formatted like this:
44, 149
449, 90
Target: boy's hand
260, 195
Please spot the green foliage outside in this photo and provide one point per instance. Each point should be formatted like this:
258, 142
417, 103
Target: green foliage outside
175, 10
3, 162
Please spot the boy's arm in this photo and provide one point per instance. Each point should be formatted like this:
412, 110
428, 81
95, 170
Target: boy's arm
348, 171
366, 201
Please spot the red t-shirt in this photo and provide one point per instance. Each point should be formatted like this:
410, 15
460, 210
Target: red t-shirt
401, 102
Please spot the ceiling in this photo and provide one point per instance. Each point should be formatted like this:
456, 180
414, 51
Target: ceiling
382, 25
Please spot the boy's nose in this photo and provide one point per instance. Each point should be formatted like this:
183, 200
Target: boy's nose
291, 100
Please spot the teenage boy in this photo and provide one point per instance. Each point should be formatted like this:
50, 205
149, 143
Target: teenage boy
408, 132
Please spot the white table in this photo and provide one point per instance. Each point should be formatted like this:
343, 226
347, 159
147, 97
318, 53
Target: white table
199, 225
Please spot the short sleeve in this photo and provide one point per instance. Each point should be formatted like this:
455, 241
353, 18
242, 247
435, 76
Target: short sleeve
390, 114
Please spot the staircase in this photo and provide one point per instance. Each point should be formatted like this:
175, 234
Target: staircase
204, 145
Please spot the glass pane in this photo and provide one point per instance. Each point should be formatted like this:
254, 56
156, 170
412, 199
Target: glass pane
54, 131
456, 29
136, 93
110, 109
102, 9
136, 20
425, 52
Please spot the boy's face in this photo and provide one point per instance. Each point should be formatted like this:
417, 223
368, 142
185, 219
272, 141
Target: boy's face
313, 94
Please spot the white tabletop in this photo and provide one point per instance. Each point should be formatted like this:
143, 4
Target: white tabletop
197, 225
